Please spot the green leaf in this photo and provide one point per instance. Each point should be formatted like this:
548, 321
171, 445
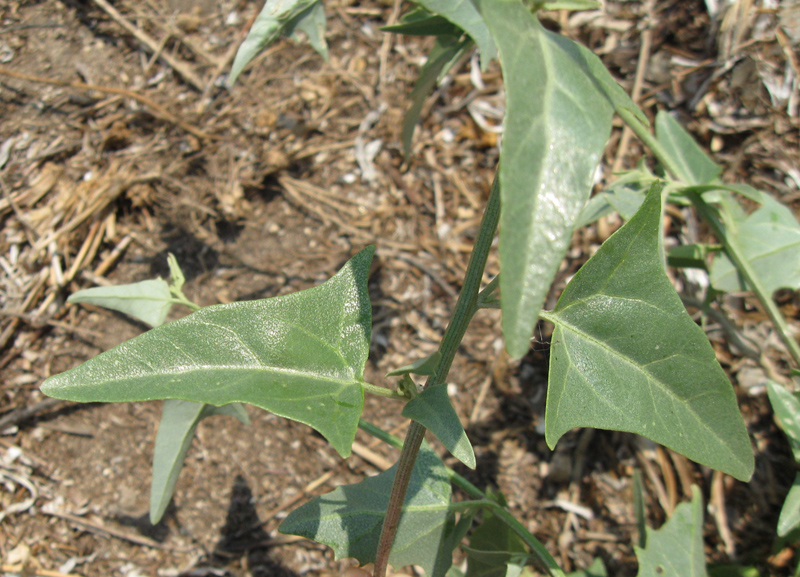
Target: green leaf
492, 546
770, 241
786, 407
789, 518
463, 14
432, 409
300, 356
312, 23
566, 5
420, 22
178, 423
558, 119
278, 17
676, 550
689, 255
731, 570
149, 300
444, 52
176, 278
596, 569
626, 356
694, 165
425, 366
349, 519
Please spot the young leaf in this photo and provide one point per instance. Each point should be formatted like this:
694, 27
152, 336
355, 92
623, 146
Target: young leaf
694, 165
432, 409
276, 18
789, 518
463, 14
425, 366
444, 51
300, 356
176, 429
149, 300
312, 23
676, 550
558, 118
349, 518
770, 241
626, 356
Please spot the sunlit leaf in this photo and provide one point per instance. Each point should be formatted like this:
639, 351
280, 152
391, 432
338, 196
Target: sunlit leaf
433, 410
463, 14
312, 23
769, 239
558, 117
278, 17
626, 356
149, 300
179, 420
349, 519
300, 356
694, 165
676, 550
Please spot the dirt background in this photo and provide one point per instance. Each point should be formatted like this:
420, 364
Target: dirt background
119, 144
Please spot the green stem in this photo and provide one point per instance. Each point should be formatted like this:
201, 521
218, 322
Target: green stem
465, 309
382, 391
535, 545
732, 248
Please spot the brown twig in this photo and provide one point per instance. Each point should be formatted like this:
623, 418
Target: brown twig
145, 39
157, 110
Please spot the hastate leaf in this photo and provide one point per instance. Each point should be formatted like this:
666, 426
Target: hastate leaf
694, 165
149, 300
558, 119
626, 356
676, 550
432, 409
179, 420
769, 238
349, 518
300, 356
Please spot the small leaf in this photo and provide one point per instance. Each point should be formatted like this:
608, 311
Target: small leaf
271, 23
653, 373
179, 420
149, 300
300, 356
176, 277
432, 409
349, 519
789, 519
463, 14
425, 366
694, 165
786, 407
444, 51
676, 550
596, 569
312, 23
769, 238
558, 118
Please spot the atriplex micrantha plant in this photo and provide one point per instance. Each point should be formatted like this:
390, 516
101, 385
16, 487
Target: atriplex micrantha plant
625, 354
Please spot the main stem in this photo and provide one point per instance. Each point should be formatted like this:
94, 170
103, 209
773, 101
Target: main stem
732, 248
462, 315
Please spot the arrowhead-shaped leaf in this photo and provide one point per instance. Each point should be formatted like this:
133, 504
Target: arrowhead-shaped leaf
149, 300
558, 118
176, 429
694, 165
626, 356
432, 409
769, 238
349, 518
676, 550
300, 356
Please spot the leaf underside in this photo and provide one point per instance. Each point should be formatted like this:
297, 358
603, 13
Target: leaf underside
626, 356
149, 300
300, 356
